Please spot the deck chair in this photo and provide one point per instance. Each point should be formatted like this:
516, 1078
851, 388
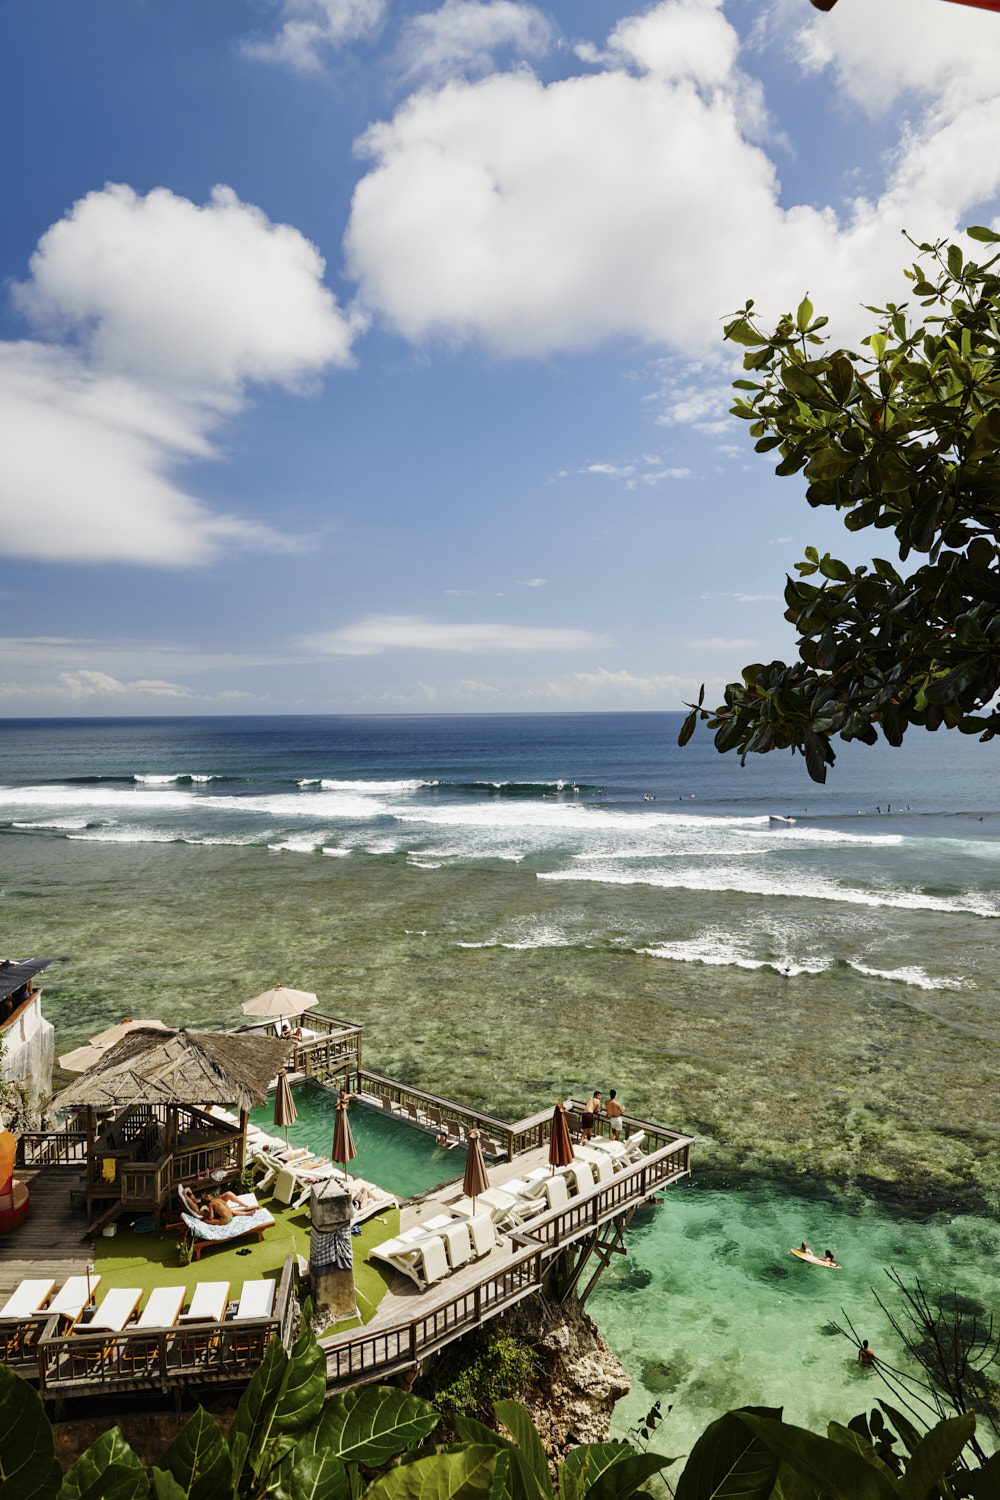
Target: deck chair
555, 1187
482, 1234
162, 1310
424, 1260
21, 1309
456, 1237
580, 1174
73, 1298
207, 1235
208, 1303
615, 1150
388, 1106
28, 1297
256, 1301
633, 1145
496, 1201
598, 1161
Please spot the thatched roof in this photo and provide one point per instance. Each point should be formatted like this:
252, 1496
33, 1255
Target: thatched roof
180, 1067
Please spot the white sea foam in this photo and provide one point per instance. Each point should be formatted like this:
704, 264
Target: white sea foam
336, 853
382, 788
124, 836
68, 824
423, 864
800, 886
300, 843
717, 952
180, 776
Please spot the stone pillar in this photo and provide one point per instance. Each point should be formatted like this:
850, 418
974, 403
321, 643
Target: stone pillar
331, 1255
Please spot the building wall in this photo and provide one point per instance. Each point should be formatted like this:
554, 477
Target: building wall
29, 1049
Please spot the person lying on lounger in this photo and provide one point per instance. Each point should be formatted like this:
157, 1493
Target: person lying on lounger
220, 1209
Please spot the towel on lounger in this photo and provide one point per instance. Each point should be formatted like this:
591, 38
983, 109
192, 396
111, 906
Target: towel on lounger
231, 1231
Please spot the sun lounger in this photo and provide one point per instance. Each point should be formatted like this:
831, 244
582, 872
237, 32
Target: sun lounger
599, 1161
162, 1307
482, 1234
207, 1235
377, 1205
256, 1299
553, 1185
73, 1298
634, 1145
615, 1150
208, 1303
579, 1175
115, 1311
423, 1260
456, 1237
27, 1298
497, 1201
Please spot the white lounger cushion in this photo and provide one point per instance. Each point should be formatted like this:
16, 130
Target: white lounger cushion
163, 1307
256, 1299
115, 1311
209, 1301
27, 1298
74, 1296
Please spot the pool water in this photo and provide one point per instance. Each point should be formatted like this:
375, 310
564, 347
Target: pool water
710, 1310
397, 1157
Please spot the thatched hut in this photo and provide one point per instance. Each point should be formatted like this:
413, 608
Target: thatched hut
152, 1089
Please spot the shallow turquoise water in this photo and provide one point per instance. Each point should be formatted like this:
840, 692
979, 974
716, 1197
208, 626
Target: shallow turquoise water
396, 1156
711, 1311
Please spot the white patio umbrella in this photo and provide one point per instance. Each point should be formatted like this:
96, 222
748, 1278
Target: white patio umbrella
279, 1003
85, 1057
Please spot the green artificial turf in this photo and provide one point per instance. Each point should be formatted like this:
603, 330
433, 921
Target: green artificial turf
149, 1260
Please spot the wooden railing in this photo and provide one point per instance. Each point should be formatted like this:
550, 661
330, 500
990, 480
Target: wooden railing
357, 1355
324, 1054
52, 1148
82, 1363
376, 1085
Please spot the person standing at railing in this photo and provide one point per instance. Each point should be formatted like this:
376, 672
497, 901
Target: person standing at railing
614, 1112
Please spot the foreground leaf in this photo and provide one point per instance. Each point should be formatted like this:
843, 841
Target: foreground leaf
525, 1434
375, 1423
199, 1461
459, 1474
835, 1471
107, 1467
729, 1460
935, 1454
28, 1467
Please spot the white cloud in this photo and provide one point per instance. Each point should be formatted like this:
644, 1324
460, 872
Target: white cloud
463, 37
378, 633
164, 313
720, 643
572, 690
87, 685
637, 201
532, 583
311, 29
635, 475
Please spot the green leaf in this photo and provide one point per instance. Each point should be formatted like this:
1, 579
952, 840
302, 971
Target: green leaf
688, 727
985, 236
804, 315
905, 1430
729, 1461
935, 1454
318, 1476
955, 261
370, 1425
109, 1467
165, 1487
304, 1388
983, 1483
465, 1473
28, 1467
251, 1429
525, 1434
620, 1479
199, 1461
849, 1437
837, 1473
740, 332
790, 1485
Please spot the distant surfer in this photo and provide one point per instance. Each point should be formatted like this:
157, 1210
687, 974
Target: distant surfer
866, 1356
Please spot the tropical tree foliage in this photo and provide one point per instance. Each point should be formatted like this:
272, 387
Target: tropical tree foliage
376, 1443
903, 438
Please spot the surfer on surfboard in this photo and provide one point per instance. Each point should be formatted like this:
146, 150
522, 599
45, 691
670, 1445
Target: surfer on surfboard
804, 1253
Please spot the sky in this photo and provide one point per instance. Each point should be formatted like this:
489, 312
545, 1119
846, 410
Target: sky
361, 356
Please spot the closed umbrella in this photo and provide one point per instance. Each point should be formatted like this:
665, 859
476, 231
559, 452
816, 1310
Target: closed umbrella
279, 1003
560, 1145
475, 1180
285, 1113
344, 1149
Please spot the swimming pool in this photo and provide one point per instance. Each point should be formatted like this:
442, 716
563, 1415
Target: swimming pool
398, 1157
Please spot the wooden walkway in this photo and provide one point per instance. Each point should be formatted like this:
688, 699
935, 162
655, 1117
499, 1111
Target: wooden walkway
51, 1240
411, 1324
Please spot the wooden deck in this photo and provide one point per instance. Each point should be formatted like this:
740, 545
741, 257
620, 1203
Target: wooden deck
411, 1324
52, 1240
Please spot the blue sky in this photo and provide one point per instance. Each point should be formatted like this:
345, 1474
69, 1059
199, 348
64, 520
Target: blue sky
359, 356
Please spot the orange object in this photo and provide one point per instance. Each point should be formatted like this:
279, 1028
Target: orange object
14, 1196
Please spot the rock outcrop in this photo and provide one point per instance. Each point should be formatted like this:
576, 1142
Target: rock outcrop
579, 1378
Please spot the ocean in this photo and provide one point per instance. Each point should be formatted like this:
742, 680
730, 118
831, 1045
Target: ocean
522, 907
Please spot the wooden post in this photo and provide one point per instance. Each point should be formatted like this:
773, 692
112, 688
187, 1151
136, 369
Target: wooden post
90, 1149
241, 1150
